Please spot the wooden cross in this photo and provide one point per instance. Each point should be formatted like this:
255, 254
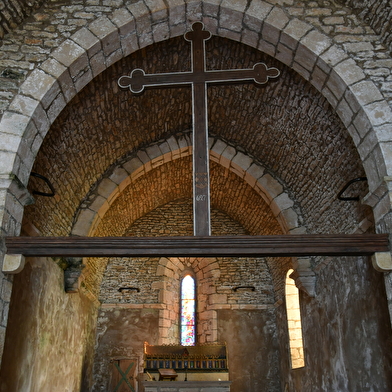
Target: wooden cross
198, 78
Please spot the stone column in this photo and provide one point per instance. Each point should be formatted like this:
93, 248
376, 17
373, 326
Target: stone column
381, 202
13, 197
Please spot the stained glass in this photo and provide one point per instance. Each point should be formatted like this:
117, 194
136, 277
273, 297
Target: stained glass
188, 327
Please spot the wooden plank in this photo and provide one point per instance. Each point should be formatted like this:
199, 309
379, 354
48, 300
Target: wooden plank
124, 375
208, 246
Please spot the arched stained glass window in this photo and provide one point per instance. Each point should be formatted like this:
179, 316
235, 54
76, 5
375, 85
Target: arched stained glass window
188, 313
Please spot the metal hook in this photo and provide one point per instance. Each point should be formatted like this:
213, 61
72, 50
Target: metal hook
121, 289
252, 288
356, 198
47, 183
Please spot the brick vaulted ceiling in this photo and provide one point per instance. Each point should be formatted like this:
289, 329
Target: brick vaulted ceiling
286, 126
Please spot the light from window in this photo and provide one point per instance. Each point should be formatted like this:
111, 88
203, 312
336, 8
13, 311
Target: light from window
188, 325
294, 322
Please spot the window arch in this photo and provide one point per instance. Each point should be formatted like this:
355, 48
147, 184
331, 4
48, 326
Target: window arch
294, 323
188, 311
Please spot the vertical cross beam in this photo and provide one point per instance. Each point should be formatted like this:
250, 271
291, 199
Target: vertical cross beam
201, 166
198, 78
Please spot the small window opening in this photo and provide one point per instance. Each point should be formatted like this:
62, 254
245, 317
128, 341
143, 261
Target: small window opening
294, 323
188, 313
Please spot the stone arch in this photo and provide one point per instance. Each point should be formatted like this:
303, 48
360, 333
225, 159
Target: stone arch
270, 189
296, 43
204, 269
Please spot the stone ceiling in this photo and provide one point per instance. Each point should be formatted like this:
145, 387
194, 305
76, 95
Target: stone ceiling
286, 126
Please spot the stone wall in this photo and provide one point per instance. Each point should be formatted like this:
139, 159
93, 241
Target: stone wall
254, 357
50, 337
121, 333
346, 331
222, 310
56, 21
378, 14
13, 13
175, 219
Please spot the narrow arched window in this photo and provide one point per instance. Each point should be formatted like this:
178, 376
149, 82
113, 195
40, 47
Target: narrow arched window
188, 312
294, 323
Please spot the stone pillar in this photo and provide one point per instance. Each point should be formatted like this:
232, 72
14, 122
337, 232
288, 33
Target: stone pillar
13, 197
381, 202
303, 275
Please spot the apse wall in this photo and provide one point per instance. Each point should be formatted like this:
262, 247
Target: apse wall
49, 344
244, 319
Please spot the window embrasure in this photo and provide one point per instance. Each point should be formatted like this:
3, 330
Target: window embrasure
294, 323
188, 311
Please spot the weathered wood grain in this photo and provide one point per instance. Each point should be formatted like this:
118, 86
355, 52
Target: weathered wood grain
198, 246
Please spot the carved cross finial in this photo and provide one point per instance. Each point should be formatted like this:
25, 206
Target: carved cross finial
197, 28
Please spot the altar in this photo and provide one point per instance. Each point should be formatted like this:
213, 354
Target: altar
176, 368
185, 386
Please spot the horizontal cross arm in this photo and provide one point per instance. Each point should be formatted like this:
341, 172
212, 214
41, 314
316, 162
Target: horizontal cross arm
260, 74
138, 80
203, 246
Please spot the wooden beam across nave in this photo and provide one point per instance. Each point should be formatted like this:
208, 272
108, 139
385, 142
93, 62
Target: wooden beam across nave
200, 246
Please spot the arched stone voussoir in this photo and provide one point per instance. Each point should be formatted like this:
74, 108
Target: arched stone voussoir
96, 46
120, 177
12, 129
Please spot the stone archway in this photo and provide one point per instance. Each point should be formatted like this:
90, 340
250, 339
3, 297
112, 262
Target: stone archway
254, 174
85, 54
295, 43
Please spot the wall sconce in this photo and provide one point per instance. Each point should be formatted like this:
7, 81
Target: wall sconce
245, 288
129, 289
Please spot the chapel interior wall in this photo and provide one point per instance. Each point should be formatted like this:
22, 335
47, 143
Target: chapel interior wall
342, 339
49, 343
216, 278
121, 334
63, 222
254, 355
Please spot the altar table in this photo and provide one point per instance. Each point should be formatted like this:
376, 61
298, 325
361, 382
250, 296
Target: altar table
186, 386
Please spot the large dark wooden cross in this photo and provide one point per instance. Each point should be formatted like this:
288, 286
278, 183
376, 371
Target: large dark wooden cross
198, 78
202, 243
